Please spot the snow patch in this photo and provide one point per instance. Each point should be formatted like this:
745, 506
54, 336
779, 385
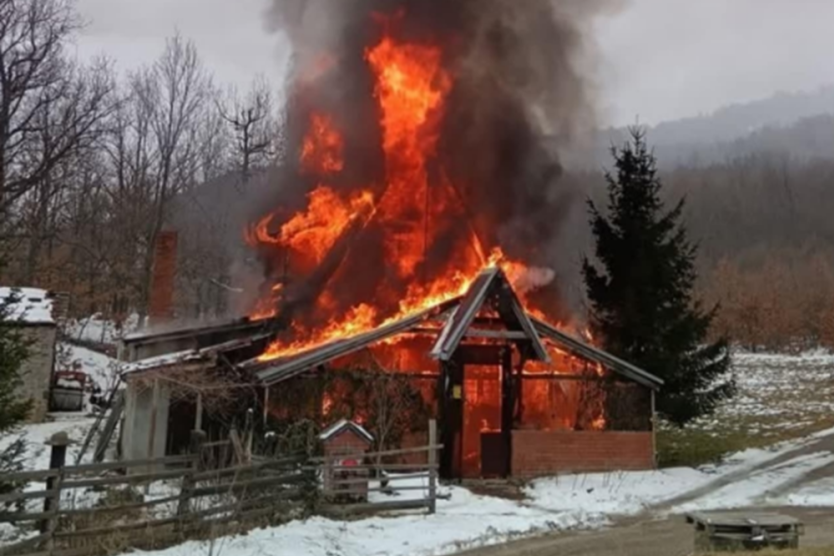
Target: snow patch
27, 305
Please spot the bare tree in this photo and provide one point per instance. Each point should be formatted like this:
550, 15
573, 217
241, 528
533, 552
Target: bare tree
174, 94
254, 127
49, 107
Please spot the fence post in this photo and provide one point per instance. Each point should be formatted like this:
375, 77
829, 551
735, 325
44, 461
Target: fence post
432, 466
52, 503
187, 486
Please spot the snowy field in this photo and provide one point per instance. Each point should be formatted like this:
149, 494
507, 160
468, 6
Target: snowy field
780, 397
782, 394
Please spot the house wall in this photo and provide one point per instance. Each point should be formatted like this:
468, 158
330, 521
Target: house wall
36, 373
541, 453
136, 427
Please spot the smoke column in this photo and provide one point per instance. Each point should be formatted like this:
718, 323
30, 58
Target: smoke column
521, 95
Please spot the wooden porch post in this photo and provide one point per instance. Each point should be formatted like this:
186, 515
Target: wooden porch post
507, 407
198, 420
266, 405
154, 410
432, 466
653, 425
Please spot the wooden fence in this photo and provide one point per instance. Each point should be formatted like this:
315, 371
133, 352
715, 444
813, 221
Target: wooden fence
108, 508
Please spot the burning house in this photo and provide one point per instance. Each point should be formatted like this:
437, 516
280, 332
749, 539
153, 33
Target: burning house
407, 252
514, 396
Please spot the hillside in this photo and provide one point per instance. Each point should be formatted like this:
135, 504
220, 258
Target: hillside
800, 124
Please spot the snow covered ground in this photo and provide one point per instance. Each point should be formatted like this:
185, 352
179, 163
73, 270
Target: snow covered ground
779, 397
35, 436
467, 520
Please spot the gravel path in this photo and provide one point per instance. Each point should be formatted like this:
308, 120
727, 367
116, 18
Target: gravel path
658, 532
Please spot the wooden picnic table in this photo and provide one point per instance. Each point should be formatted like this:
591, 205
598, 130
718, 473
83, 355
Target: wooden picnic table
743, 530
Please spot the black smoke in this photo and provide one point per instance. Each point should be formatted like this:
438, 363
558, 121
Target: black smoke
521, 96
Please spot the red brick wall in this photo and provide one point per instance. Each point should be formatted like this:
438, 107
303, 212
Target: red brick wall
540, 453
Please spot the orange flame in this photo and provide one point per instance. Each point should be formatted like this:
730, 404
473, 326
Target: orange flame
411, 88
323, 149
313, 233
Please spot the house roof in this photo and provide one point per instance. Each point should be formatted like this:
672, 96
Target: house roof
197, 332
162, 361
27, 305
460, 314
207, 355
282, 369
491, 282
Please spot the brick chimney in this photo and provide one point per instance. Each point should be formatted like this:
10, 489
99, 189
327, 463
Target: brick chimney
162, 281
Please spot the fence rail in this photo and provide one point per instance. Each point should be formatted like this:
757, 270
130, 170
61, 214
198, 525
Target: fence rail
105, 508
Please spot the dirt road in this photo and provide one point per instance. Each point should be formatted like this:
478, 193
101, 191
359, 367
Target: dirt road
669, 536
659, 532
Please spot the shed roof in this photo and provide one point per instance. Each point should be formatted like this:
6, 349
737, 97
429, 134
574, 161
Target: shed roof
27, 305
345, 425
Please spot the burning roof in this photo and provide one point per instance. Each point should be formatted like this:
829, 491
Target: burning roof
491, 291
384, 213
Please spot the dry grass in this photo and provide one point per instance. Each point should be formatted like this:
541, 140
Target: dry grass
780, 398
801, 552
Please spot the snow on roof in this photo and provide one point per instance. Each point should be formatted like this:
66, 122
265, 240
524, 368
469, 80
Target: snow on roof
162, 361
342, 425
31, 305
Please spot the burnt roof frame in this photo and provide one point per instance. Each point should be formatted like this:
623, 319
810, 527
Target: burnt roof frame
280, 370
602, 357
492, 281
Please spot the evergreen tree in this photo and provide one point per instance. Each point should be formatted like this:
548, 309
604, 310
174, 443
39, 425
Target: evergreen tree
641, 297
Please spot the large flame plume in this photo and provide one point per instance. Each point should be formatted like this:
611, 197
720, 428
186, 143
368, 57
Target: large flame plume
424, 138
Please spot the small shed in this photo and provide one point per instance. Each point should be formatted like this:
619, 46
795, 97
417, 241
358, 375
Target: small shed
31, 309
345, 444
345, 438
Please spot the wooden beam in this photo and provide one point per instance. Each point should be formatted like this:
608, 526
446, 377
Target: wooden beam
432, 460
479, 333
589, 377
496, 334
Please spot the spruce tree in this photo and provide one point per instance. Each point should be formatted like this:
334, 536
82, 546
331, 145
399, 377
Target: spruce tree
641, 294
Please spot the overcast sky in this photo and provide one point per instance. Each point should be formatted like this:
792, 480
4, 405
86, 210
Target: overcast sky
661, 59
